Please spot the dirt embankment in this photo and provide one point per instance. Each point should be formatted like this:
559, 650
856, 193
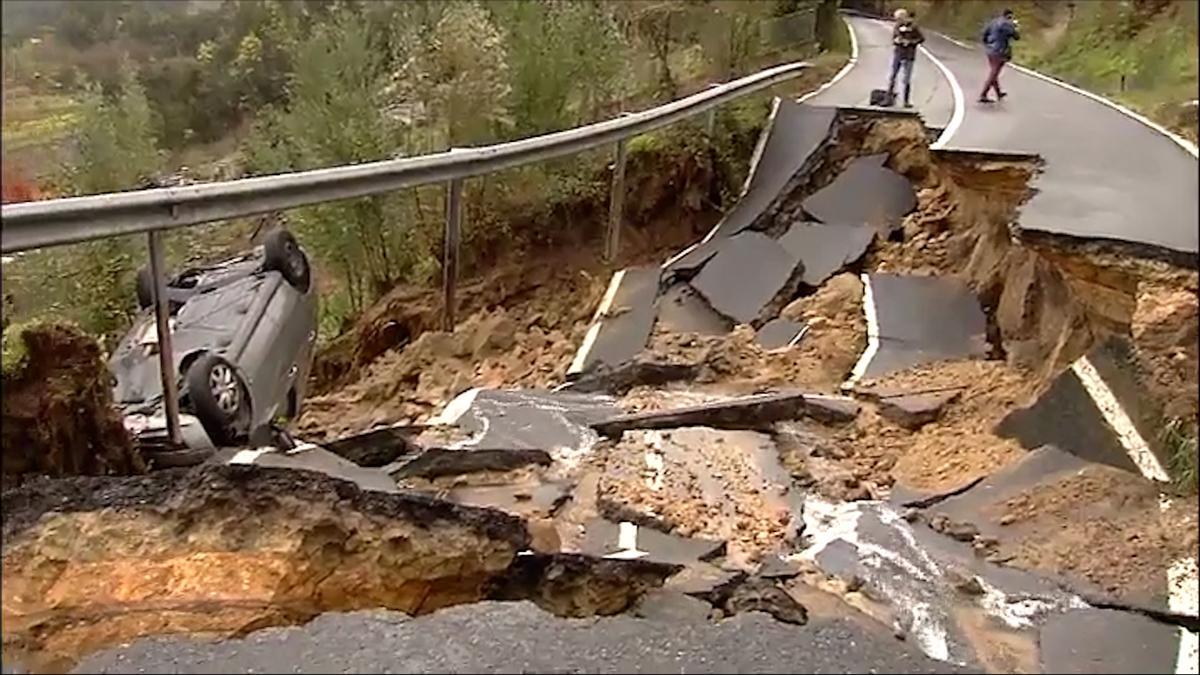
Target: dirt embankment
58, 410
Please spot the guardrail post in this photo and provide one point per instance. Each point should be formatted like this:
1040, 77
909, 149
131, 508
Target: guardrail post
166, 354
450, 249
616, 205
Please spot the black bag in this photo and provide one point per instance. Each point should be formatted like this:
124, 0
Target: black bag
881, 98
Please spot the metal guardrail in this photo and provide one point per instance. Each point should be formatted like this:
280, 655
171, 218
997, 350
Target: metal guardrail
31, 225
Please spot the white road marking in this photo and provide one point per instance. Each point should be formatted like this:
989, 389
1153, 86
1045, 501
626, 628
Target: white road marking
1184, 598
868, 354
455, 409
845, 69
627, 543
759, 147
956, 119
248, 456
1116, 417
589, 340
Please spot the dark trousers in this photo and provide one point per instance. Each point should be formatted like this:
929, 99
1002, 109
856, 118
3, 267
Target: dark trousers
901, 65
995, 64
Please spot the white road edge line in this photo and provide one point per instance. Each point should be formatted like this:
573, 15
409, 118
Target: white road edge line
1184, 586
759, 146
589, 340
248, 456
872, 319
1128, 435
1182, 142
960, 105
850, 63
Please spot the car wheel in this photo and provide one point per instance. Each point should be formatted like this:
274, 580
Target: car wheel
281, 253
145, 287
218, 397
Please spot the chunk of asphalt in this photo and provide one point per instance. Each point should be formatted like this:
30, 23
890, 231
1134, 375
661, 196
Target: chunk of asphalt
686, 263
756, 412
748, 273
1066, 416
865, 192
765, 595
705, 581
435, 462
920, 319
573, 584
826, 249
530, 418
774, 567
622, 330
375, 448
792, 136
311, 458
664, 605
683, 310
779, 333
602, 538
913, 411
638, 372
1107, 641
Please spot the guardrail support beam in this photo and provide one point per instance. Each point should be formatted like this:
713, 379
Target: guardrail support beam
450, 248
616, 205
166, 354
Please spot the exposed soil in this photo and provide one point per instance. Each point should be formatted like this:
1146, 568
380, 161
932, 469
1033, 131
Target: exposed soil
1113, 516
59, 417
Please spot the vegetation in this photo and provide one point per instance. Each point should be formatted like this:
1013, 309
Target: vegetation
1179, 438
300, 85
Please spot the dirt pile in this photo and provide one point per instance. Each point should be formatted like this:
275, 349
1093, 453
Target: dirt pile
59, 417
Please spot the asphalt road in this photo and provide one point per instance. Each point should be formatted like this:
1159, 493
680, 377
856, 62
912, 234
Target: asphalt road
1107, 175
520, 638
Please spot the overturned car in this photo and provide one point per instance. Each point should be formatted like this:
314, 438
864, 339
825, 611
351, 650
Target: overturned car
242, 334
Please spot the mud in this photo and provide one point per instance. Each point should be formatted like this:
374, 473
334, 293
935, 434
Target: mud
58, 415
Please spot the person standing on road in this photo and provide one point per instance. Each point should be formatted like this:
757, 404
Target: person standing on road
998, 36
906, 37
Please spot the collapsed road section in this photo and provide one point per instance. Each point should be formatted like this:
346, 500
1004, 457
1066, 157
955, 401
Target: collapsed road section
715, 461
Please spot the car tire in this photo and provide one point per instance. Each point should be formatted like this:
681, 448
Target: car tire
218, 397
281, 253
145, 287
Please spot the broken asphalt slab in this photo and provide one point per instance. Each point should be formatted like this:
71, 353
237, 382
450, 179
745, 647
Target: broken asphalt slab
825, 249
913, 411
623, 321
682, 310
914, 320
1078, 412
864, 192
1107, 641
793, 134
780, 334
557, 422
756, 412
438, 462
307, 457
747, 273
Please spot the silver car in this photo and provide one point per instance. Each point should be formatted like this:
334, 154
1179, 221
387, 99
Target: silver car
242, 332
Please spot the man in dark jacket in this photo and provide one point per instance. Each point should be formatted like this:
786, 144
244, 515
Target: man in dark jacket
906, 37
998, 36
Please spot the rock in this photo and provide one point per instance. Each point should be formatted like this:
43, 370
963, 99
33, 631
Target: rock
774, 567
912, 515
543, 536
673, 606
764, 595
573, 585
912, 411
705, 581
967, 584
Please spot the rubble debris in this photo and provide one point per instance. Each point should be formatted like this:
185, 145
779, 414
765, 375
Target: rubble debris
641, 371
775, 567
825, 249
780, 333
764, 595
671, 606
623, 321
913, 411
756, 412
960, 531
377, 447
59, 417
919, 320
864, 192
705, 581
573, 585
682, 310
435, 462
748, 272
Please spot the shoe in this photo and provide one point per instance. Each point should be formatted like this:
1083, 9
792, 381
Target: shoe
984, 99
1001, 94
907, 104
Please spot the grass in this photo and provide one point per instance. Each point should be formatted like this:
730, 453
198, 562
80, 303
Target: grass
1179, 439
13, 352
